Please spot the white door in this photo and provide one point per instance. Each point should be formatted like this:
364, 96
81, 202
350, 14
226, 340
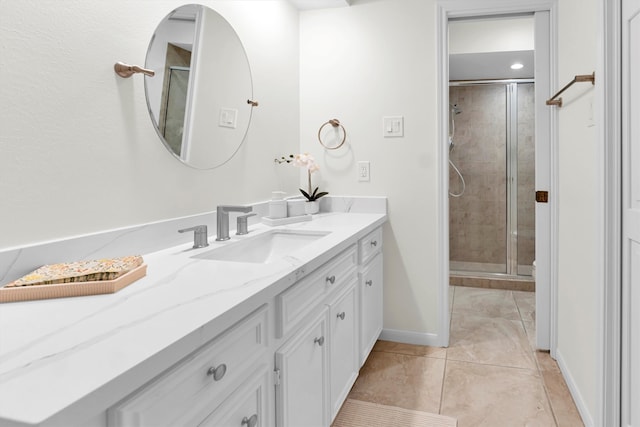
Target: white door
630, 213
371, 306
344, 348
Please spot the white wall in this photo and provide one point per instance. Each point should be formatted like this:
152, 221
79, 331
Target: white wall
79, 153
580, 226
494, 35
358, 64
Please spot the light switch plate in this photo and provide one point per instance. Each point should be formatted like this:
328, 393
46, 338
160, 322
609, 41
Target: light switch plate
228, 118
393, 126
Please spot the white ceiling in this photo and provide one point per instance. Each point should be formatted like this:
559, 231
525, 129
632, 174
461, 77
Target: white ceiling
491, 65
319, 4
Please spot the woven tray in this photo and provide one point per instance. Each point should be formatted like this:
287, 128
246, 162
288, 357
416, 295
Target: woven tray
75, 289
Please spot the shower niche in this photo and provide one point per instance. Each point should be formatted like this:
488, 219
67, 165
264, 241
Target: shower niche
492, 222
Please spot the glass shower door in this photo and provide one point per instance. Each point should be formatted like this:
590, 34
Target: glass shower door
491, 225
478, 218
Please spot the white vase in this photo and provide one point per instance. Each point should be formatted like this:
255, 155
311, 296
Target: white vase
312, 207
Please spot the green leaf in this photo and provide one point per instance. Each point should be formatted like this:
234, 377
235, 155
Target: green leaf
305, 194
320, 194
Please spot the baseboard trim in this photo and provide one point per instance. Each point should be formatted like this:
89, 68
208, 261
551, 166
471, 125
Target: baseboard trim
587, 419
410, 337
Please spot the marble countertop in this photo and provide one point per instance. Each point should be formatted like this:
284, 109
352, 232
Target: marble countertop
69, 359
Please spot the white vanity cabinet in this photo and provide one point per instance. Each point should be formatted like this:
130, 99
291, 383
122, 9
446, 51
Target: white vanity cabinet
197, 340
296, 373
370, 288
302, 382
317, 365
191, 391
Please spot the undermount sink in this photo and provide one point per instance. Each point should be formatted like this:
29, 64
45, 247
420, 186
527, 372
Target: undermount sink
264, 248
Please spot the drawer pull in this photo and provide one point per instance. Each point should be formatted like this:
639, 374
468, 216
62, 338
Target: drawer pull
369, 283
250, 422
340, 316
217, 373
319, 341
331, 279
374, 243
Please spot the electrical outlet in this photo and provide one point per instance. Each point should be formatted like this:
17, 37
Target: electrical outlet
364, 169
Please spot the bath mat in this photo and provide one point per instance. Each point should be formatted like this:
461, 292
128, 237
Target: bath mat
356, 413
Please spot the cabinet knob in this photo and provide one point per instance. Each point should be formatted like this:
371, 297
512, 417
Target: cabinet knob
340, 316
250, 422
369, 283
331, 279
319, 341
217, 372
374, 243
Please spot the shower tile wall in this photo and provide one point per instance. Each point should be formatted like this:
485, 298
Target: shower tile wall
478, 219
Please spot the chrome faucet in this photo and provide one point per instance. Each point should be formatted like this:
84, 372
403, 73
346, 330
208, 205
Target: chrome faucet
222, 222
200, 238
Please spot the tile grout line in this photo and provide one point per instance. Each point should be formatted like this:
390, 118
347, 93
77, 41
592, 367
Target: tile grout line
537, 364
546, 391
493, 365
444, 375
446, 350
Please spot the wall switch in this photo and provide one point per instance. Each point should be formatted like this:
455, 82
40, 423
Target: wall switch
228, 118
393, 126
364, 169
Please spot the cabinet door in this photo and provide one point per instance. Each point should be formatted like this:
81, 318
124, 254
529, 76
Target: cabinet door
343, 345
246, 407
302, 388
371, 306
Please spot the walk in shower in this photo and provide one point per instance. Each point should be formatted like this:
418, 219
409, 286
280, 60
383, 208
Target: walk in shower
491, 179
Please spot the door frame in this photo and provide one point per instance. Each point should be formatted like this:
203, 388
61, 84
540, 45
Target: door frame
609, 101
473, 8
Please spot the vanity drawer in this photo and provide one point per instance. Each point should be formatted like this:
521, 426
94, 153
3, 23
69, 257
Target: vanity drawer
299, 299
370, 245
200, 382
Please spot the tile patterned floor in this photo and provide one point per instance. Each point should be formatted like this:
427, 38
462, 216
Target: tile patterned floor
489, 376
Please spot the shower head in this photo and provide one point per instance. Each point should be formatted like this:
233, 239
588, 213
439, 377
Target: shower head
455, 109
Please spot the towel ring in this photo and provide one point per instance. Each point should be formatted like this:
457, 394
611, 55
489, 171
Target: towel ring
335, 123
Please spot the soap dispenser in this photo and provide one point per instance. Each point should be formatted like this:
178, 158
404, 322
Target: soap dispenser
277, 205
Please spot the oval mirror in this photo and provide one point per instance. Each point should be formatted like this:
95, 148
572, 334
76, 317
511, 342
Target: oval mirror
198, 98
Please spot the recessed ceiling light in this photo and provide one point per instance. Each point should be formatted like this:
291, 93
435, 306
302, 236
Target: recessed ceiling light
516, 66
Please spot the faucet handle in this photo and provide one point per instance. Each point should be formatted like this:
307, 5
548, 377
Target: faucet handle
200, 238
242, 226
234, 208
